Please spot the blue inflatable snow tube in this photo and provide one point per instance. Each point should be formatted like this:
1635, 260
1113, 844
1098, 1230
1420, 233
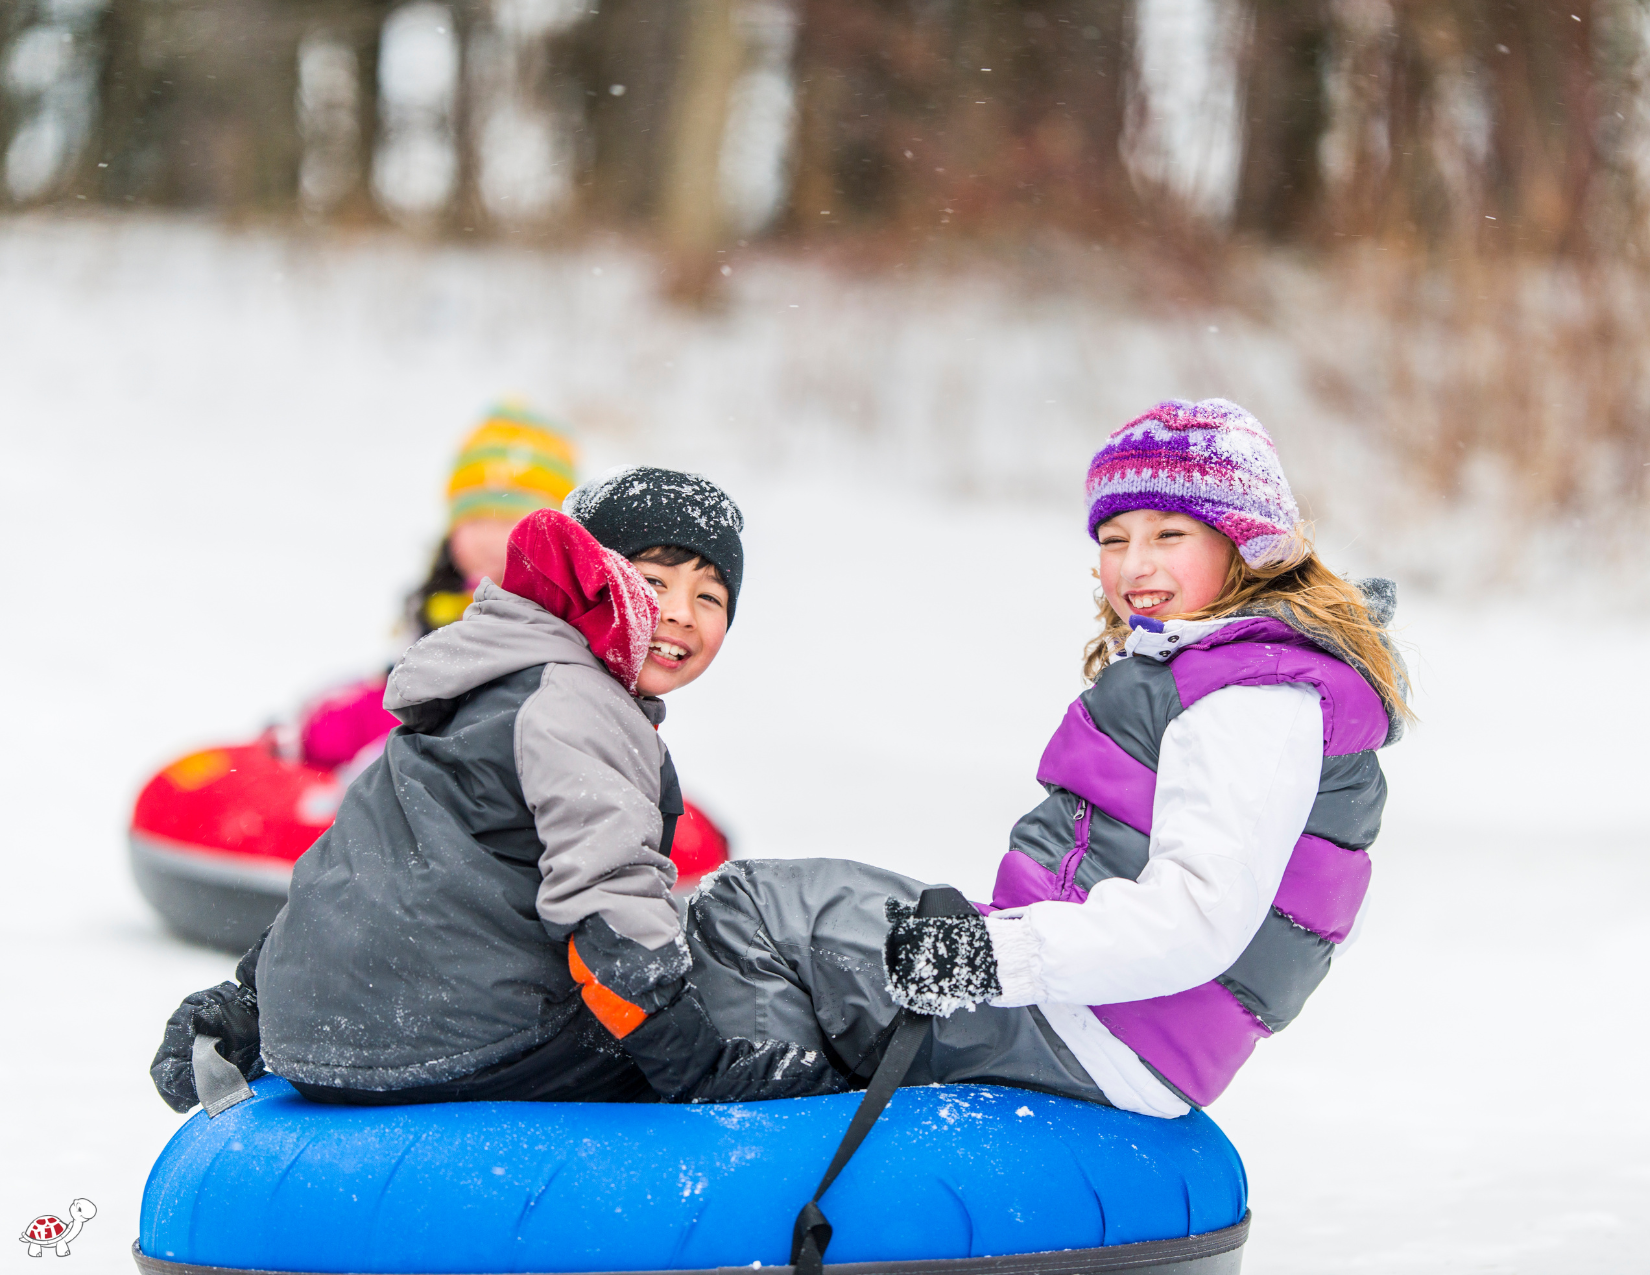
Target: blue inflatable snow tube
949, 1172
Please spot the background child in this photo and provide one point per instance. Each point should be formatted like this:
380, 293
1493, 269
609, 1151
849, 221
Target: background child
511, 464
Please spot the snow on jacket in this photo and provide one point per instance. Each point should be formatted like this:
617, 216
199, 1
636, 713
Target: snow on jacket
526, 796
1200, 856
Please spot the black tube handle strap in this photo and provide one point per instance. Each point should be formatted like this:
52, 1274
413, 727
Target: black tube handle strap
812, 1233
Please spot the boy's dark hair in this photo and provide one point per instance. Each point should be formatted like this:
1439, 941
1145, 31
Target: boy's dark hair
675, 556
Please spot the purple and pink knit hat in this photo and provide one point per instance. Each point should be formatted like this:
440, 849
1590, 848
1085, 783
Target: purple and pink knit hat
1210, 460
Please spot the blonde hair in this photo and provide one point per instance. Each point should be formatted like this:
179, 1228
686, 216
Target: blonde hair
1307, 596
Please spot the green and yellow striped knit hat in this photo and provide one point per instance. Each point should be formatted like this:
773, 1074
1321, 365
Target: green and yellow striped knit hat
514, 462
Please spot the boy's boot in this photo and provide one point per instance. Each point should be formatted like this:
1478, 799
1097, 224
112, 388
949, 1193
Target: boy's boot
662, 1024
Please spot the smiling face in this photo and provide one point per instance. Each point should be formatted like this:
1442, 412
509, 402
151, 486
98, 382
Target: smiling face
1161, 565
693, 620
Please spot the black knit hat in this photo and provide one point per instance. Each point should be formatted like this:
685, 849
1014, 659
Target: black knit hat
641, 507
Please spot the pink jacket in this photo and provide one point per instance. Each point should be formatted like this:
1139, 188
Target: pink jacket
335, 729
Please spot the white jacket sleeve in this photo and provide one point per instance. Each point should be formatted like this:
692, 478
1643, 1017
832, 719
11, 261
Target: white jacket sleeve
1237, 775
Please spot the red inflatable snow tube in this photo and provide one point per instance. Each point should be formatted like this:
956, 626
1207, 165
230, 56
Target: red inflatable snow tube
698, 847
214, 837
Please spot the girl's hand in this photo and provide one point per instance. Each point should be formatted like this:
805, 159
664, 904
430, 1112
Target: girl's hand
938, 964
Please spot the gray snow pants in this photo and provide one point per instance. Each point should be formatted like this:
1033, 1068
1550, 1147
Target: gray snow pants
791, 949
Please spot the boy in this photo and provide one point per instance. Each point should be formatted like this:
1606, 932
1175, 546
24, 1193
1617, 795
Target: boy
490, 916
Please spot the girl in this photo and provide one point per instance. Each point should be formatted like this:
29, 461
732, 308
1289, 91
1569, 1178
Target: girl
512, 463
1201, 852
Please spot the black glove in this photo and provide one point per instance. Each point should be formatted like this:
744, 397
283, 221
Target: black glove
938, 964
229, 1012
643, 999
686, 1059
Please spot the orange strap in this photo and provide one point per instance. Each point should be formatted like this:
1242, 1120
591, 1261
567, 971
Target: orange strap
612, 1011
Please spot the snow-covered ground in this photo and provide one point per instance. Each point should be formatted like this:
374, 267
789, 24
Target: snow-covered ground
214, 482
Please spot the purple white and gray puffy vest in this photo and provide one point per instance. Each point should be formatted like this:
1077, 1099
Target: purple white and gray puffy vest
1101, 772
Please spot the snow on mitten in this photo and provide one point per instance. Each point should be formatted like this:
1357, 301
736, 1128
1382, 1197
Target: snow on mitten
940, 964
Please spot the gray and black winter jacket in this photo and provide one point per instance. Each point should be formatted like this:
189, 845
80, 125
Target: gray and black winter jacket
526, 798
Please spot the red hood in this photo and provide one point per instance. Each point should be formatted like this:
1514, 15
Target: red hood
558, 564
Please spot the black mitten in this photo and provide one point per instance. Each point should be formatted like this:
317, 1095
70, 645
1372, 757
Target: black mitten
228, 1012
686, 1059
938, 964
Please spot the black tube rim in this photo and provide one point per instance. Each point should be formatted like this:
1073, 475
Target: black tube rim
1075, 1261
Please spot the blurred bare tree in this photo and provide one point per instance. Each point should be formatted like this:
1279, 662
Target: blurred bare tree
1481, 122
1493, 153
976, 114
1407, 119
1285, 116
194, 106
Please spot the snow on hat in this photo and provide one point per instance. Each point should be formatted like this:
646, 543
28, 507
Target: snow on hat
1210, 460
511, 464
640, 507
